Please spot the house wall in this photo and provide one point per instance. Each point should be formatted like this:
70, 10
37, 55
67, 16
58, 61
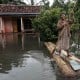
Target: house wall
8, 24
14, 25
11, 24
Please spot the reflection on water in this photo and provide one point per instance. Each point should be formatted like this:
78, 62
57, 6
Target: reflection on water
22, 57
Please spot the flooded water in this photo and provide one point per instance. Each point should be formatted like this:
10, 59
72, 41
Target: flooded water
22, 57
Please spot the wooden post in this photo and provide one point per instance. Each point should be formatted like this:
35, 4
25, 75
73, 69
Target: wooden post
22, 25
1, 25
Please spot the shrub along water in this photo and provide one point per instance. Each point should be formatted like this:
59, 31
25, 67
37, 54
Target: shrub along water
46, 24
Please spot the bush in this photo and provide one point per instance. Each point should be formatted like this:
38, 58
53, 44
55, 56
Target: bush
75, 27
46, 23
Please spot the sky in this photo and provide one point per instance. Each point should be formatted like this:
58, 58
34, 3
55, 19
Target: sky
37, 1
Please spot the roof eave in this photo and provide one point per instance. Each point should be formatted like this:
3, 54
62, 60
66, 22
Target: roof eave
19, 14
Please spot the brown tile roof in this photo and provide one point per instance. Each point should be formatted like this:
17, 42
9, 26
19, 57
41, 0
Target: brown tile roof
8, 8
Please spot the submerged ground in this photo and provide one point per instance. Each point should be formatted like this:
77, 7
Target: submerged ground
23, 57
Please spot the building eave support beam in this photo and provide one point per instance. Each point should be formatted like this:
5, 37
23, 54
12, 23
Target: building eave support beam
22, 25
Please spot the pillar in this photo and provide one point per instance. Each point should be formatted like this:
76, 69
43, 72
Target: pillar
22, 25
1, 25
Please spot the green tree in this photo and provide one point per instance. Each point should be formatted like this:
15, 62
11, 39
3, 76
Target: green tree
77, 10
76, 25
17, 2
45, 4
32, 2
46, 23
57, 4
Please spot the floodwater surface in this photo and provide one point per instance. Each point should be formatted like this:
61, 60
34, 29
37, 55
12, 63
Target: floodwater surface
23, 57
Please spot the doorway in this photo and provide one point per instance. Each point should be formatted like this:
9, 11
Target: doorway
27, 23
19, 24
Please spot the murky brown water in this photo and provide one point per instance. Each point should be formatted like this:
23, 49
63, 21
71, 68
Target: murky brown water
23, 57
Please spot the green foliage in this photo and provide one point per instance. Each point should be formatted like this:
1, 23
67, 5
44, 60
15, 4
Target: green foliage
32, 2
75, 27
77, 16
45, 4
46, 23
56, 4
16, 2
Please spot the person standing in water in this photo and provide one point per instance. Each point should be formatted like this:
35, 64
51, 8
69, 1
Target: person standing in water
63, 27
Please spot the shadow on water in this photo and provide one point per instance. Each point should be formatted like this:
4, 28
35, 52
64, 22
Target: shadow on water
23, 57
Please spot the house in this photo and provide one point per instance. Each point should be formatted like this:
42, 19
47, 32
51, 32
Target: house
17, 18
